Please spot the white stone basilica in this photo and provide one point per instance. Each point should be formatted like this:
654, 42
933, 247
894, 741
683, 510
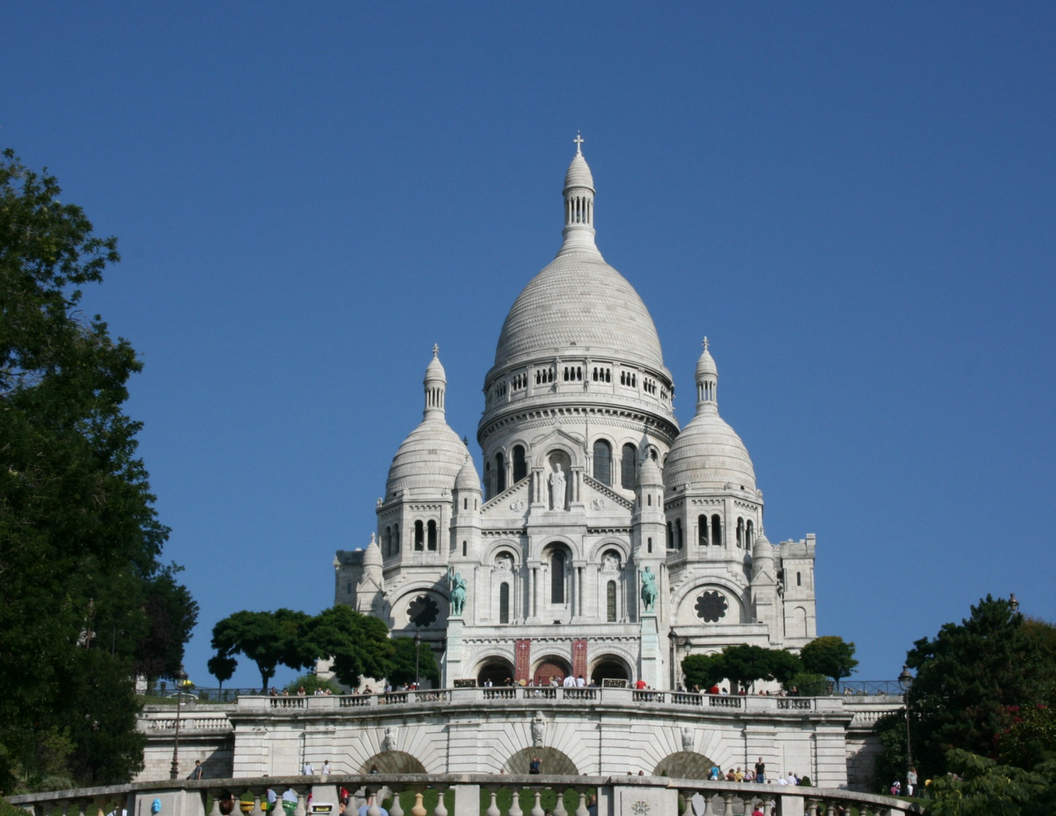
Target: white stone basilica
606, 541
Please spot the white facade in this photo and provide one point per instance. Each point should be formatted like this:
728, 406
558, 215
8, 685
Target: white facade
592, 500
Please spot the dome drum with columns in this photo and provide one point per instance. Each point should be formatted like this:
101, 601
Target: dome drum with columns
600, 539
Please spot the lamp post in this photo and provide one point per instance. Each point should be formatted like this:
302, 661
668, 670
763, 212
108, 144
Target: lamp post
905, 682
174, 771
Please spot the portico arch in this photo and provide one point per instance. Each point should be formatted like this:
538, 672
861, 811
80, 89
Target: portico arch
609, 667
393, 762
496, 670
551, 761
550, 666
684, 765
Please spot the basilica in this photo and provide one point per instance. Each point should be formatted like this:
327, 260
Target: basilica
604, 541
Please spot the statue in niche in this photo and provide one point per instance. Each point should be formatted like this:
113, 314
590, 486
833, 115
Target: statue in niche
458, 592
610, 563
538, 729
504, 563
687, 738
389, 743
557, 488
648, 588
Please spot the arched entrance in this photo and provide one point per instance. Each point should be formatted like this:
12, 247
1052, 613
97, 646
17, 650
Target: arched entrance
496, 671
395, 762
551, 761
684, 765
609, 668
550, 666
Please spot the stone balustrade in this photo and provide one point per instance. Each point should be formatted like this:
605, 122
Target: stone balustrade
465, 794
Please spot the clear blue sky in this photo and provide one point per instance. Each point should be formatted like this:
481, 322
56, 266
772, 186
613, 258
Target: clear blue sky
856, 202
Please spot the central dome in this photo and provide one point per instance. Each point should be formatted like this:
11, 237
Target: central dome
578, 300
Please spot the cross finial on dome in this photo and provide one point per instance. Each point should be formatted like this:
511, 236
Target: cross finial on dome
436, 350
705, 343
579, 144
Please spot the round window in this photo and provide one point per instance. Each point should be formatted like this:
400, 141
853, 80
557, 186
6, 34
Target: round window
711, 606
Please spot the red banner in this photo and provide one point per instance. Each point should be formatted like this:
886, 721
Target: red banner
523, 660
579, 658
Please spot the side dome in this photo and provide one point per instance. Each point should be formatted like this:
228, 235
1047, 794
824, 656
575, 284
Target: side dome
432, 454
708, 452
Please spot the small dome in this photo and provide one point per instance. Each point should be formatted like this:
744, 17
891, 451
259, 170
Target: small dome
467, 478
579, 174
372, 555
706, 364
762, 548
649, 473
430, 457
708, 453
432, 454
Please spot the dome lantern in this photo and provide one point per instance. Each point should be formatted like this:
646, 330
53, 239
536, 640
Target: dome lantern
579, 203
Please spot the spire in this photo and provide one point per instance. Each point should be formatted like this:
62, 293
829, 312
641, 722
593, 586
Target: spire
435, 386
579, 203
707, 379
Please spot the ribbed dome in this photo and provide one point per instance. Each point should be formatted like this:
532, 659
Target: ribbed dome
708, 452
579, 300
372, 555
432, 454
579, 174
467, 478
430, 457
649, 473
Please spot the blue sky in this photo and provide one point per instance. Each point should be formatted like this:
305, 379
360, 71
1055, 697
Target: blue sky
854, 202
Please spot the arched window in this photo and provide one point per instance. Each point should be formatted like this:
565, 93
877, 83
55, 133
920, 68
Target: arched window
750, 538
702, 531
716, 531
419, 536
740, 532
395, 539
603, 462
465, 548
386, 541
520, 464
610, 602
799, 579
504, 602
348, 587
649, 545
628, 467
678, 534
557, 577
432, 536
670, 536
500, 473
488, 492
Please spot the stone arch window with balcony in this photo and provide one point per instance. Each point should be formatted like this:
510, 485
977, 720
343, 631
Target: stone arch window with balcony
544, 375
602, 374
520, 464
628, 466
603, 462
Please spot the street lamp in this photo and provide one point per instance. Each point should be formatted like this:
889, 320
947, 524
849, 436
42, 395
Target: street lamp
905, 682
417, 642
174, 771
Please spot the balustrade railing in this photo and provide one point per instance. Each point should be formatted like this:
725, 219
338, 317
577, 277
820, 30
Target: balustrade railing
476, 794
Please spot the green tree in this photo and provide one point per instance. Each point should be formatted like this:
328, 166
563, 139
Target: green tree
403, 662
171, 614
79, 537
222, 667
357, 645
970, 680
744, 664
831, 656
266, 638
703, 671
977, 786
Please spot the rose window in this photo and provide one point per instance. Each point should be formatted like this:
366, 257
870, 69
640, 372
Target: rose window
712, 606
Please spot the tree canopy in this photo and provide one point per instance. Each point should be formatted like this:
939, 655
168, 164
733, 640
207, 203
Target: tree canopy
404, 661
356, 645
972, 681
742, 665
831, 656
86, 601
